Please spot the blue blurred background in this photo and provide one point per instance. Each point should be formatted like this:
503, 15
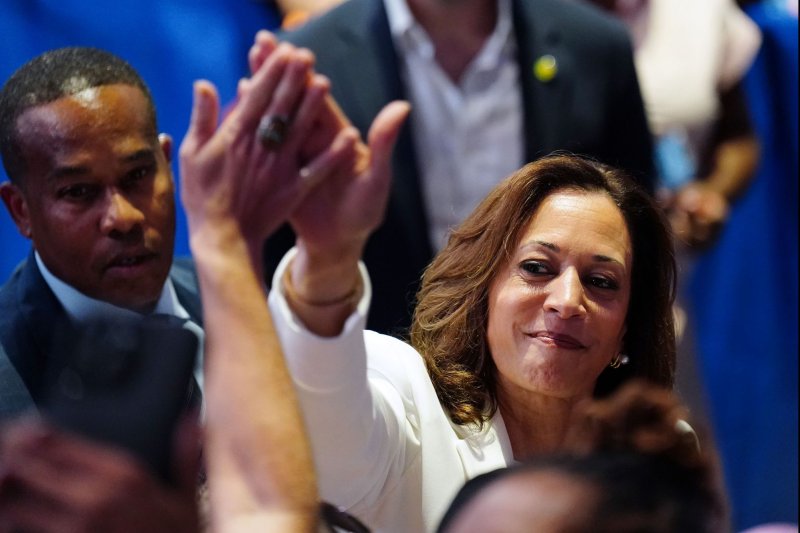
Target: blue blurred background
744, 292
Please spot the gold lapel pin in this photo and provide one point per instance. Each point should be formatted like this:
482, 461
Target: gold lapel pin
545, 68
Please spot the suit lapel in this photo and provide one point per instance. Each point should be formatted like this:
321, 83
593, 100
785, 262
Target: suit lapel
486, 450
538, 34
372, 72
184, 280
32, 326
14, 396
373, 80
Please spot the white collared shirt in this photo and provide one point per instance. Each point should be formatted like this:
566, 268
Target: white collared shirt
468, 136
81, 309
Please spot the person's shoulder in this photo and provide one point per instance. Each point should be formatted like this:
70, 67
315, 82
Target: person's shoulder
9, 290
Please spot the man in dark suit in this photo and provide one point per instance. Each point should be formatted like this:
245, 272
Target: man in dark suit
91, 186
547, 74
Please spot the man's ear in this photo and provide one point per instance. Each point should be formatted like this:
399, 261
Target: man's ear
17, 207
165, 141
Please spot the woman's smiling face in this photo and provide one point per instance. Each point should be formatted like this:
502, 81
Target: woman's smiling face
557, 309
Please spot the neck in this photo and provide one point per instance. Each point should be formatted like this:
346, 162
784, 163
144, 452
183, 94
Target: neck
458, 29
537, 424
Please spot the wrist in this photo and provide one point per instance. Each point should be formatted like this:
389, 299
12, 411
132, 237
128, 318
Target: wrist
349, 299
222, 247
218, 238
327, 275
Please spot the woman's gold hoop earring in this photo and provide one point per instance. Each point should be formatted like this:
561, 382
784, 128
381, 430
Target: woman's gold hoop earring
619, 360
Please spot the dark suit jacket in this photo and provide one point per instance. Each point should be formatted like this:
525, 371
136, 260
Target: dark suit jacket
30, 317
592, 106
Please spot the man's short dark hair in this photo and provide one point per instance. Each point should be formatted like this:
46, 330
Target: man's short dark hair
53, 75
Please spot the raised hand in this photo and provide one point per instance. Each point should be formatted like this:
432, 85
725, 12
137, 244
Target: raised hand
338, 216
230, 174
330, 120
332, 226
333, 222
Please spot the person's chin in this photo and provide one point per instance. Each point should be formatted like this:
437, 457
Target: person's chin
143, 300
136, 287
129, 270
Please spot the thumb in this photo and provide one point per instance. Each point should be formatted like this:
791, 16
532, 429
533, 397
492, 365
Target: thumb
205, 113
383, 134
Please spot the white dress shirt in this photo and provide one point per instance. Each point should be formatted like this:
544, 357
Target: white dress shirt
468, 135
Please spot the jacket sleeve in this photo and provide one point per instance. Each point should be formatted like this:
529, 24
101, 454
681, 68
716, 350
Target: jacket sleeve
360, 419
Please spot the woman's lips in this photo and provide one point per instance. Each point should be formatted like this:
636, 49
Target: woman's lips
559, 340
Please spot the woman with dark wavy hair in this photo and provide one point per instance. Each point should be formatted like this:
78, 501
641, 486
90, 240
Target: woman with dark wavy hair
557, 288
452, 313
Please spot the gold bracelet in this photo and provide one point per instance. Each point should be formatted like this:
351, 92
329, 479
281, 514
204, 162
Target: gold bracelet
351, 297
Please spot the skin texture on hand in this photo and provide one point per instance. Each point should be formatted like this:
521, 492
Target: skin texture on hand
333, 224
334, 221
697, 213
270, 182
52, 481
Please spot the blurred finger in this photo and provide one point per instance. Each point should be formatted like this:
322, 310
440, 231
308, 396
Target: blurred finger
264, 44
33, 485
205, 114
332, 159
384, 132
290, 89
242, 87
260, 89
305, 118
71, 454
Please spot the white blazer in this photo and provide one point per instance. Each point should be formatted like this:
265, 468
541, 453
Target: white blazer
385, 450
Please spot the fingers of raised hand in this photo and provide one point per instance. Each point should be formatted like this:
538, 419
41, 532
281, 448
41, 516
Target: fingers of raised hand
288, 95
259, 91
386, 127
263, 45
205, 114
305, 125
337, 158
382, 137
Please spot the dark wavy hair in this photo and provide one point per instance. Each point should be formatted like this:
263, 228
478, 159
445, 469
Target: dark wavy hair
451, 316
53, 75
